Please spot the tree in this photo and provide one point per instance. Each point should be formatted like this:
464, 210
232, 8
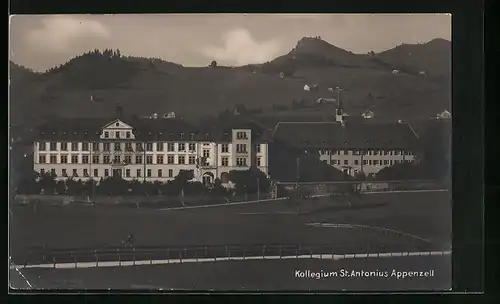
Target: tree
74, 187
48, 182
60, 187
249, 181
401, 171
218, 189
28, 184
213, 64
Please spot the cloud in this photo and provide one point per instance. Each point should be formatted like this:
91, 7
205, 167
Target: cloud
241, 48
64, 33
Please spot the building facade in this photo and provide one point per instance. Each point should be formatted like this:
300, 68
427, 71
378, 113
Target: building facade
145, 150
354, 148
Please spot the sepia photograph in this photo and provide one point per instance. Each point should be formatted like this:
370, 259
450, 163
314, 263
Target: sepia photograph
230, 152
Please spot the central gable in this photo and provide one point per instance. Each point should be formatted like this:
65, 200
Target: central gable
117, 124
117, 129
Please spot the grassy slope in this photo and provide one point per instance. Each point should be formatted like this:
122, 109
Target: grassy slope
144, 86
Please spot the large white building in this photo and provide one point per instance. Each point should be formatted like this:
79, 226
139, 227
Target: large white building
147, 149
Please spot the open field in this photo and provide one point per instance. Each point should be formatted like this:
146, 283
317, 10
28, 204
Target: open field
427, 215
254, 275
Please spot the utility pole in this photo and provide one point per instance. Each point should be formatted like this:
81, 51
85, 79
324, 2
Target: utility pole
258, 189
297, 173
144, 161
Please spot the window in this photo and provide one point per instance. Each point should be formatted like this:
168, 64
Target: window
74, 159
386, 162
128, 147
53, 146
396, 162
170, 173
117, 159
370, 162
96, 172
160, 173
42, 172
64, 159
85, 172
241, 161
192, 147
118, 147
159, 159
138, 159
241, 148
42, 146
170, 159
181, 159
241, 135
106, 159
117, 134
159, 146
53, 171
148, 173
338, 152
192, 159
128, 159
206, 153
170, 147
127, 172
375, 162
64, 173
139, 147
149, 159
259, 162
95, 146
75, 173
322, 152
127, 135
257, 148
225, 161
106, 134
191, 136
225, 148
377, 152
364, 153
106, 147
95, 159
85, 146
346, 152
356, 162
41, 159
74, 146
106, 172
149, 147
181, 147
138, 172
346, 162
365, 162
64, 146
391, 162
181, 135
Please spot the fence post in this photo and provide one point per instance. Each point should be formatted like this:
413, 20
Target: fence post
226, 252
133, 259
263, 252
74, 259
196, 255
168, 255
206, 251
150, 259
281, 251
244, 253
96, 259
119, 257
180, 256
297, 252
185, 252
310, 253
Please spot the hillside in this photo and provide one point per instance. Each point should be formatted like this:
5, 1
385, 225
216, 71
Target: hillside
91, 84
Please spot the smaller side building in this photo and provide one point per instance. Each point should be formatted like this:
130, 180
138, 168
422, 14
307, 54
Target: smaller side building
354, 148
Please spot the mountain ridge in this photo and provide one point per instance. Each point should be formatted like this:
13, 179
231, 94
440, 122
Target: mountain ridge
92, 83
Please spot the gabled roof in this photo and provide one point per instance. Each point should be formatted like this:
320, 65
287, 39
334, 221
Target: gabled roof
146, 129
353, 135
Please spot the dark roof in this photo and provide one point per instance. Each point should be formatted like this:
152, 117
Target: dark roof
351, 136
145, 129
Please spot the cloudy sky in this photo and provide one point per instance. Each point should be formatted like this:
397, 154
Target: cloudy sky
40, 42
